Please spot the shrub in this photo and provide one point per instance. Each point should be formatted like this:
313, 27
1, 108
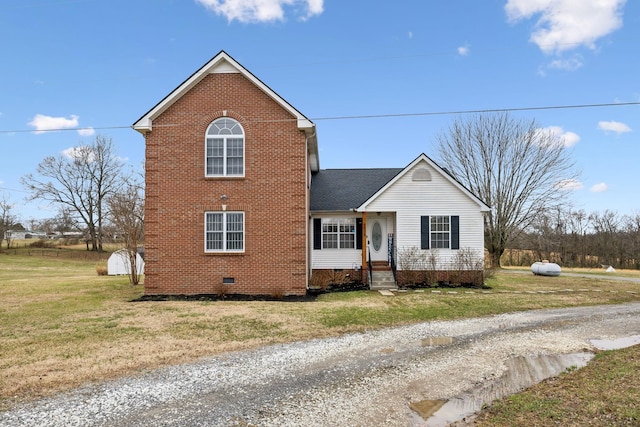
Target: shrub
278, 293
411, 261
41, 243
432, 264
418, 267
101, 269
467, 268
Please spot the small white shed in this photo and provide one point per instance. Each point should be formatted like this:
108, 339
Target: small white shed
118, 263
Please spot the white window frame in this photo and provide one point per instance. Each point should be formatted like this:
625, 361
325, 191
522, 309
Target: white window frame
437, 229
227, 130
340, 224
225, 233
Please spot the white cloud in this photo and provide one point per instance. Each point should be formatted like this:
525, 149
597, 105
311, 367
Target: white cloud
569, 139
410, 35
570, 64
86, 131
599, 188
71, 152
263, 10
569, 185
316, 7
612, 126
79, 152
84, 151
463, 50
44, 123
566, 24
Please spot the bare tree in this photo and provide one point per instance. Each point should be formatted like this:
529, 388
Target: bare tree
632, 230
64, 222
547, 234
7, 220
81, 180
512, 165
606, 238
126, 210
578, 227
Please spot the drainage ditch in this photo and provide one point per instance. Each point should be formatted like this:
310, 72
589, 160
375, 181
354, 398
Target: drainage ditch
521, 372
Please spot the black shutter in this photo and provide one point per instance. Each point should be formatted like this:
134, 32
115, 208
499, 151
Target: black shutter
455, 232
358, 233
317, 233
424, 232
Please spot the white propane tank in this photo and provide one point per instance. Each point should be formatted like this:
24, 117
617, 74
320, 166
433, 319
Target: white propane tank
545, 268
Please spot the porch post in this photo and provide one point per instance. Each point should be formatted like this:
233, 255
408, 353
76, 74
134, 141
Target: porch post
364, 240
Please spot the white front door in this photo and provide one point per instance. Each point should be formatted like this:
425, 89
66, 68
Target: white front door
377, 238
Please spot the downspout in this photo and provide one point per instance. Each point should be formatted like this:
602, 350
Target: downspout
307, 190
364, 242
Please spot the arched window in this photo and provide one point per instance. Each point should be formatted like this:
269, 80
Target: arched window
224, 150
421, 174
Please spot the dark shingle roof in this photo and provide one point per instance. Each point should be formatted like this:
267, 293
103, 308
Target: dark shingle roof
346, 189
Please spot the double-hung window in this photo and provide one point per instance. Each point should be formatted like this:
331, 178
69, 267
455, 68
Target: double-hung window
338, 233
440, 229
224, 231
440, 232
224, 149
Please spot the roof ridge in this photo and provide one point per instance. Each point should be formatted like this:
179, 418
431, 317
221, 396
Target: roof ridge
358, 169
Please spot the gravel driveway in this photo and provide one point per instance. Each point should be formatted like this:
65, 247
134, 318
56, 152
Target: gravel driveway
360, 379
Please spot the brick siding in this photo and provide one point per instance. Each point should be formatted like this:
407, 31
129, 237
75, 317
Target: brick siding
272, 195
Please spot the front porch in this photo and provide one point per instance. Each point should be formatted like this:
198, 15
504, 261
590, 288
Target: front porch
382, 276
378, 249
354, 249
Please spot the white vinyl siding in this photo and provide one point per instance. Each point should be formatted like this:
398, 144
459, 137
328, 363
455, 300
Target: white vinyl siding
411, 200
340, 258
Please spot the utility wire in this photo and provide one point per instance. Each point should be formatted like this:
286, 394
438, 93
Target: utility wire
491, 110
13, 189
368, 116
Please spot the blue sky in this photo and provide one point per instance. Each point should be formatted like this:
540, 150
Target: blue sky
88, 67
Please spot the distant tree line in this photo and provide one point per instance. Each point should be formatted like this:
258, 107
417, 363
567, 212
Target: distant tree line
518, 168
575, 238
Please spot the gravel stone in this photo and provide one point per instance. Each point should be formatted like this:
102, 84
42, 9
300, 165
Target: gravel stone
358, 379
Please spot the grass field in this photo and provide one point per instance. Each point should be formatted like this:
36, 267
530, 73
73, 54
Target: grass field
62, 325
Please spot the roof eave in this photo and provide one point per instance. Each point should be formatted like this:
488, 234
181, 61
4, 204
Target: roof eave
143, 125
221, 63
333, 211
423, 157
309, 129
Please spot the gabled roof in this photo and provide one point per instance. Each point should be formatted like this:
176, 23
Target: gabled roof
423, 157
341, 190
347, 189
224, 63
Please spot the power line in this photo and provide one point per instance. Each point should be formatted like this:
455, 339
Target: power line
369, 116
64, 129
13, 189
480, 111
